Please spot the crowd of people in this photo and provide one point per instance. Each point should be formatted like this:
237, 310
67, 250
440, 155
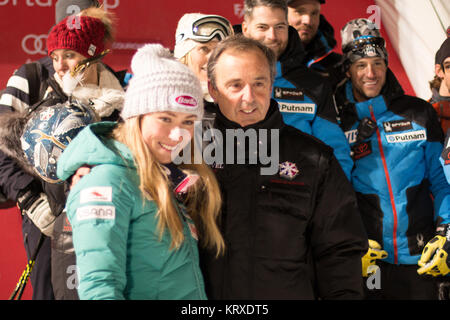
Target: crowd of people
362, 183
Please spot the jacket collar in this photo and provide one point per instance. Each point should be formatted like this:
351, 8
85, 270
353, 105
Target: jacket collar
390, 91
293, 55
323, 43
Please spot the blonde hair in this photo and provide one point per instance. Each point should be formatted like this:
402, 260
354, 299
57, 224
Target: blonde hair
203, 201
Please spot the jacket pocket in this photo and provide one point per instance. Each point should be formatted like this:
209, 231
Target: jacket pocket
281, 220
372, 215
420, 212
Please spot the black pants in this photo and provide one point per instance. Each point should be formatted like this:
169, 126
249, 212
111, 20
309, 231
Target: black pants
400, 282
41, 274
64, 277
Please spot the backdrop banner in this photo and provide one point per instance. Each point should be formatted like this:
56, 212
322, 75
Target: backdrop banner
24, 25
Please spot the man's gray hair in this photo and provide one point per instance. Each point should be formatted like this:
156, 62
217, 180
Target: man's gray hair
242, 44
249, 5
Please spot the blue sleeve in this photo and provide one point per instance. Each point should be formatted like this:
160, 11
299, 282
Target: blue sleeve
445, 157
99, 208
331, 134
439, 186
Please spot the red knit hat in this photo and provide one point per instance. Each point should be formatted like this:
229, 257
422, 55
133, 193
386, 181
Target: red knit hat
82, 34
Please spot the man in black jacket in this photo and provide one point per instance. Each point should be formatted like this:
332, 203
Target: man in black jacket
290, 234
317, 36
304, 97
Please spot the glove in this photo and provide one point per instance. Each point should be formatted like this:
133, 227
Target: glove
444, 290
368, 261
435, 259
35, 205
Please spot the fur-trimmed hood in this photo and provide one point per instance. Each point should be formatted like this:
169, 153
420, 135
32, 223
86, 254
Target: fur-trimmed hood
12, 125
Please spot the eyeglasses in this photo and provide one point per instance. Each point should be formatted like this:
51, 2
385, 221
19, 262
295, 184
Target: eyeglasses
206, 28
359, 44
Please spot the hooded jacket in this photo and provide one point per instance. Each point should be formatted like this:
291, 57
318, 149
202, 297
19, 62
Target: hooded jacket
319, 52
306, 101
26, 87
396, 168
294, 234
119, 251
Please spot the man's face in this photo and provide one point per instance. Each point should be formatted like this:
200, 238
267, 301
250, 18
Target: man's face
243, 86
268, 26
368, 76
304, 16
444, 74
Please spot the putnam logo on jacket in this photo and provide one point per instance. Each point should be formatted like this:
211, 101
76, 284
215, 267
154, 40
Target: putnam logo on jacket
309, 108
407, 136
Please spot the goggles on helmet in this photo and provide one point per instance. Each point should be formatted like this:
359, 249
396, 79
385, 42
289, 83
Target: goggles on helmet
206, 28
360, 43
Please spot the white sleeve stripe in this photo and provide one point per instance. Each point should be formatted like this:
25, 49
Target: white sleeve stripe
14, 102
19, 83
6, 99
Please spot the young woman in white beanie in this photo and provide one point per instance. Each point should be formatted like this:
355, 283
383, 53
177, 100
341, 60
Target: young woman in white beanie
196, 37
137, 217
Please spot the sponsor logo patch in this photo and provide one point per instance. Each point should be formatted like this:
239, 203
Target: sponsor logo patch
288, 94
96, 212
308, 108
407, 136
361, 150
100, 194
91, 50
185, 100
351, 135
395, 126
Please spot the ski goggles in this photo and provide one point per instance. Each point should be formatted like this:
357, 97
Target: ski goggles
206, 28
362, 42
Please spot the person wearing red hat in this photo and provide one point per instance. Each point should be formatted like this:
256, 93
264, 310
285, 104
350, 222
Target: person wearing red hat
75, 46
21, 92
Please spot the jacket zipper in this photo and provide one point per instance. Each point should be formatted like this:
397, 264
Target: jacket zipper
388, 180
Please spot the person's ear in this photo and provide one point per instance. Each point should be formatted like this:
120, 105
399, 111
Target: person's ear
244, 28
438, 70
212, 91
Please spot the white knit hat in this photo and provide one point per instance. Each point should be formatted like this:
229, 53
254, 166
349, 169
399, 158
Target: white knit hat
161, 83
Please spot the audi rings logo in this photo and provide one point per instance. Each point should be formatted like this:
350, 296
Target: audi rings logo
34, 44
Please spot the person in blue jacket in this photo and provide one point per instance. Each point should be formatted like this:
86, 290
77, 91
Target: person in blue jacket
396, 140
305, 98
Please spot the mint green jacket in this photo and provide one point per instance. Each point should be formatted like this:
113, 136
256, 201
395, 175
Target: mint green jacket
118, 250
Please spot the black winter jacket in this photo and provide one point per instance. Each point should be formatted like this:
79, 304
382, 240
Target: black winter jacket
320, 55
299, 238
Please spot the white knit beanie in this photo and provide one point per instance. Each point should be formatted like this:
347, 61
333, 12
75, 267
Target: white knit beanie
161, 83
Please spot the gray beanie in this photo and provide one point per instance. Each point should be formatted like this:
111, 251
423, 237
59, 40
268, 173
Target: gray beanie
161, 83
65, 8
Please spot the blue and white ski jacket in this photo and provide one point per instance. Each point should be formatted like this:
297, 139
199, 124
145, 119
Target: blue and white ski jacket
306, 102
445, 157
401, 188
